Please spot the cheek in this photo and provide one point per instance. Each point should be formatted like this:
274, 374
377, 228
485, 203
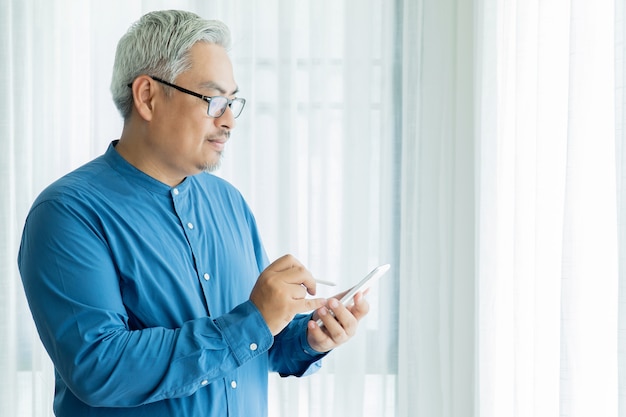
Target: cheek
188, 130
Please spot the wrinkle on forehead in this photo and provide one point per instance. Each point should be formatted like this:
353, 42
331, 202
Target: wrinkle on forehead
211, 70
212, 85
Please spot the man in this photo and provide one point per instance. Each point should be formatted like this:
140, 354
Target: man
146, 275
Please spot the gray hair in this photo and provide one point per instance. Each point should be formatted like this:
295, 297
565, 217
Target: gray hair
158, 44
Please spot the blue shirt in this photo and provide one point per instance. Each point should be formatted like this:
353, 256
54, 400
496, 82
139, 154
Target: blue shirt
140, 293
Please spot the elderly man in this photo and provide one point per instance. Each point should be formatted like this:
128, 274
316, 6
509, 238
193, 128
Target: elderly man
145, 274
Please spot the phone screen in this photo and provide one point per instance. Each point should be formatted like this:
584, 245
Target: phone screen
364, 284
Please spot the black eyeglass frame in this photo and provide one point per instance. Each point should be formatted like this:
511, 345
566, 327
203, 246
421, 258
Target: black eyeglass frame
208, 99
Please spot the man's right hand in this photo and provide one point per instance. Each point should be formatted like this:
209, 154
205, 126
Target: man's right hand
280, 292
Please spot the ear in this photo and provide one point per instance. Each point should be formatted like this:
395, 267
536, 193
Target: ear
143, 96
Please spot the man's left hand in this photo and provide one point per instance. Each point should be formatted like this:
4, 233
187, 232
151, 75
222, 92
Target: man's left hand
338, 327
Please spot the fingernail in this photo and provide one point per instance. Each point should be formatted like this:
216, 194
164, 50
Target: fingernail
323, 311
334, 303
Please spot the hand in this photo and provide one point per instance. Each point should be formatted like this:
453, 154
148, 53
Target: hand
280, 292
338, 327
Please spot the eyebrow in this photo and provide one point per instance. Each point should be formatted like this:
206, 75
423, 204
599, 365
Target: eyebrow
212, 85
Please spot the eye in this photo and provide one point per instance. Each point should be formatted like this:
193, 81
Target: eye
217, 105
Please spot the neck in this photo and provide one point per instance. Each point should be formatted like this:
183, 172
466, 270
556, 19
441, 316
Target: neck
135, 149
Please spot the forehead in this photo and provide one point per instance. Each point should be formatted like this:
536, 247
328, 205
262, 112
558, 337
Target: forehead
210, 66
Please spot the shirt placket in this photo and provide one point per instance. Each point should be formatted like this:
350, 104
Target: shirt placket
189, 220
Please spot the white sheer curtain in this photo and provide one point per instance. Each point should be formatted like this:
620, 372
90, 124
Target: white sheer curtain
436, 364
511, 186
547, 308
476, 145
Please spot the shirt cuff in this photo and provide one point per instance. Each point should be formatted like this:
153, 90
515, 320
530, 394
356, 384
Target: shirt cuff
305, 360
245, 332
304, 341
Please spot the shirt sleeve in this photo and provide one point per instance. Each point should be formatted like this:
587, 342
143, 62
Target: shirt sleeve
73, 290
291, 354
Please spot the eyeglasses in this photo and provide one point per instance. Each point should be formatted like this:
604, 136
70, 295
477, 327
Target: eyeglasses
217, 104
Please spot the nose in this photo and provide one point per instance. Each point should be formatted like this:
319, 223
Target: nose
226, 120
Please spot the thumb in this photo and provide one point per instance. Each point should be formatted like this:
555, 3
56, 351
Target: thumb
310, 304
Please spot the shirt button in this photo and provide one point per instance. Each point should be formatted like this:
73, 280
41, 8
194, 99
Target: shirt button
204, 383
175, 191
207, 276
190, 225
233, 384
253, 346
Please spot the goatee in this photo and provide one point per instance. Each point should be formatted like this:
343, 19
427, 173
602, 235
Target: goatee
213, 166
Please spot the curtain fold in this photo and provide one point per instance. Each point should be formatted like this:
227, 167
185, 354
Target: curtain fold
522, 140
620, 160
589, 281
436, 334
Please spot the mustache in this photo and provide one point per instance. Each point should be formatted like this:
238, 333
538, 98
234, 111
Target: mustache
223, 134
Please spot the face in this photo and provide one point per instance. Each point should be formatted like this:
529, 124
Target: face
185, 140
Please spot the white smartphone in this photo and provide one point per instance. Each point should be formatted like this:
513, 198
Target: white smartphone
364, 284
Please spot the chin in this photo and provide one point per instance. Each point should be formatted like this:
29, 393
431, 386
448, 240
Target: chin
211, 166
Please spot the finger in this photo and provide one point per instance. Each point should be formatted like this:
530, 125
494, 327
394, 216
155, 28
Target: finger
310, 284
344, 316
290, 271
315, 329
327, 316
284, 263
360, 307
318, 338
310, 304
297, 291
341, 294
323, 316
339, 330
299, 275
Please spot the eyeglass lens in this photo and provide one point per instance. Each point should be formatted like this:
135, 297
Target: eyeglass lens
217, 106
